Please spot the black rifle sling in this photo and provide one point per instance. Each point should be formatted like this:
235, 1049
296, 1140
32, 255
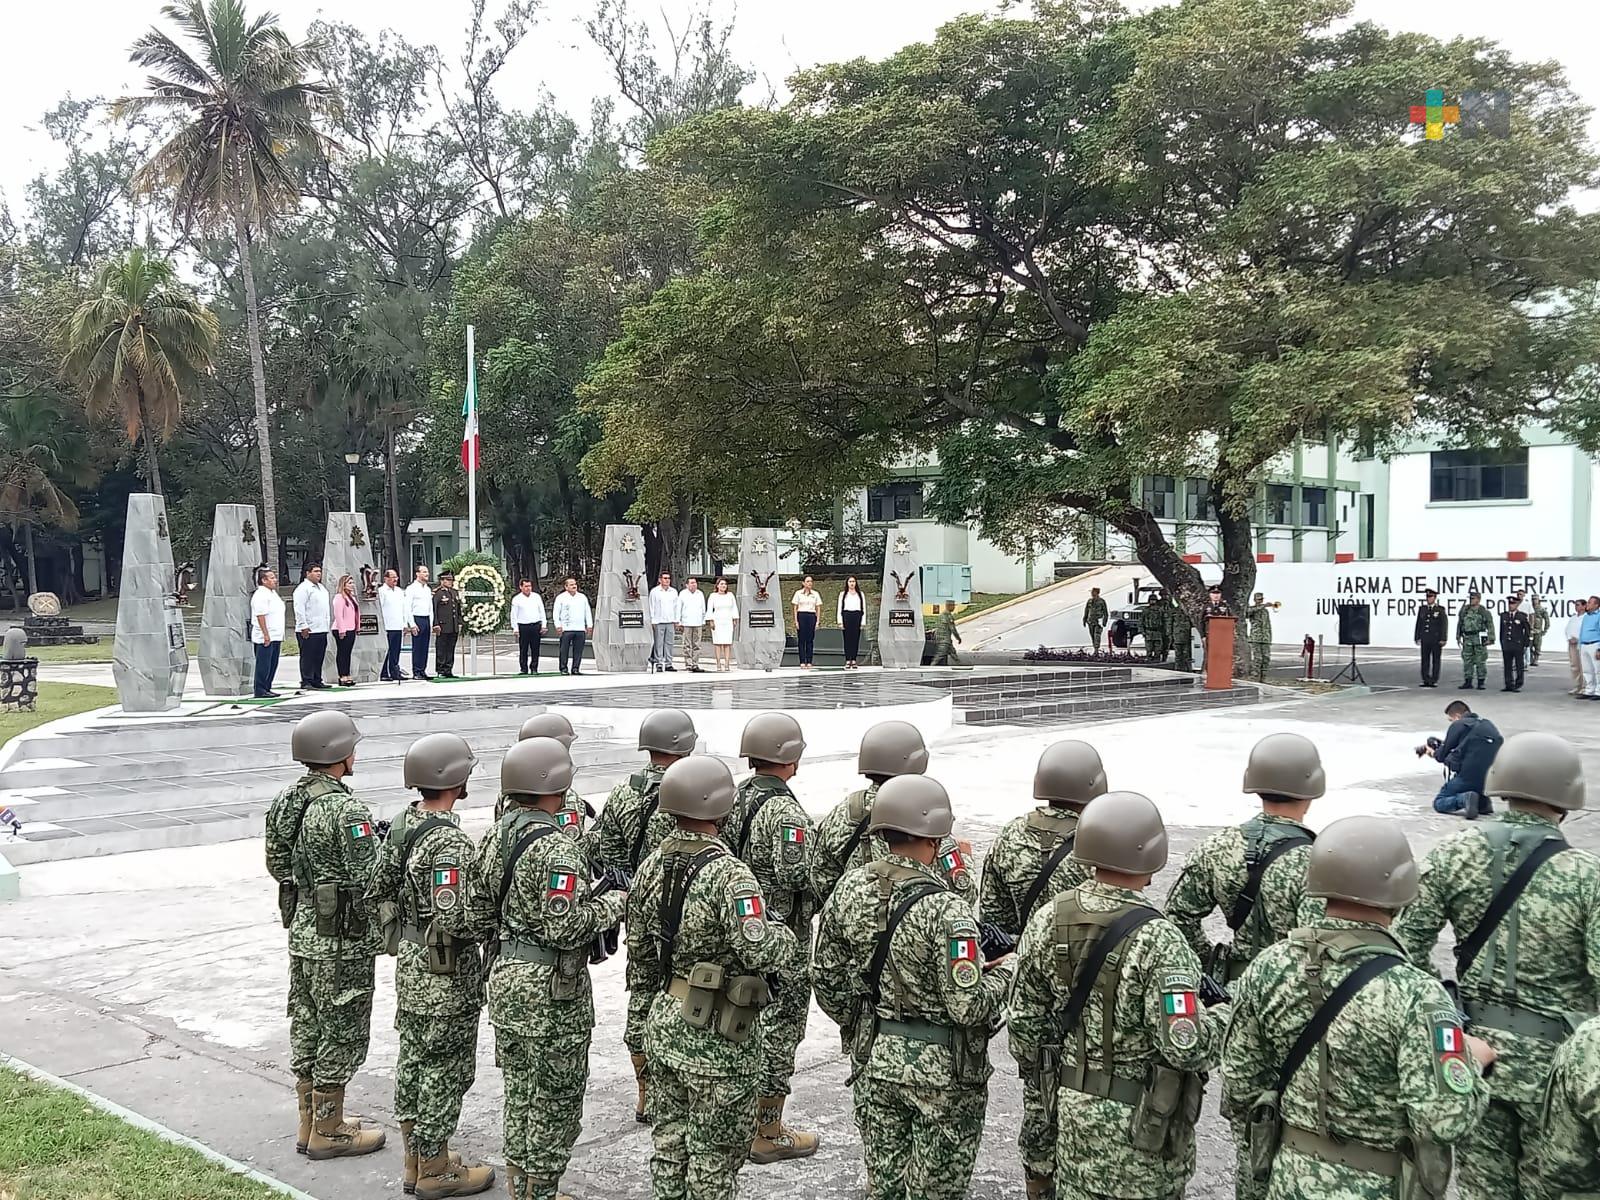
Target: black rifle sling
1240, 912
880, 954
741, 845
674, 893
517, 851
1036, 888
1113, 936
652, 800
300, 819
413, 836
1507, 896
1317, 1027
855, 840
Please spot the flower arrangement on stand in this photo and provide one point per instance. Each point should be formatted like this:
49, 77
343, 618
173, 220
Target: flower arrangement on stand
483, 598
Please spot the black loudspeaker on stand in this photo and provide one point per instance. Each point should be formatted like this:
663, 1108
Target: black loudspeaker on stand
1355, 629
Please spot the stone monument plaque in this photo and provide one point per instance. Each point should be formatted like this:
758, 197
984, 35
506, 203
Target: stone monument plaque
227, 662
150, 660
759, 642
622, 635
44, 604
900, 637
348, 551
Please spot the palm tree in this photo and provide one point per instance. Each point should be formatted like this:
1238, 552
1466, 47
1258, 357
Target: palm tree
41, 454
136, 346
245, 105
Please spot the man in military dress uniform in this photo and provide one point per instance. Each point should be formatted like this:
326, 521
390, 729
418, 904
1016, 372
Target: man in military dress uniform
1516, 635
1105, 1015
540, 1000
899, 968
1259, 615
1571, 1158
446, 624
1430, 632
321, 848
770, 830
1029, 865
574, 811
1529, 976
1371, 1111
424, 888
700, 942
1474, 634
1153, 627
1095, 617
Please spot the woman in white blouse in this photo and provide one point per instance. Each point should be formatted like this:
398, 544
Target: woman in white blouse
722, 614
807, 608
852, 609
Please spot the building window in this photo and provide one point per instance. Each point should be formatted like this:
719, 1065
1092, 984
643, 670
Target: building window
894, 502
1278, 506
1459, 475
1161, 496
1197, 500
1314, 506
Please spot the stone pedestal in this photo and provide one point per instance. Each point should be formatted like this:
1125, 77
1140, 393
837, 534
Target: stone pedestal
19, 684
622, 635
149, 660
227, 662
347, 551
759, 642
900, 637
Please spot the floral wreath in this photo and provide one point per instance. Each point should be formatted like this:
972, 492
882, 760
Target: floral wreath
483, 597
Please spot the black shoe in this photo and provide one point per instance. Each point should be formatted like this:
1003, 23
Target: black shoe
577, 672
1467, 686
672, 668
1507, 688
1480, 685
1469, 813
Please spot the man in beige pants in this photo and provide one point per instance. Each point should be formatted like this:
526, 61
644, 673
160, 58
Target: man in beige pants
1574, 658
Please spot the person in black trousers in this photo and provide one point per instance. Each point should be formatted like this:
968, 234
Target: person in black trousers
1516, 633
1431, 632
851, 611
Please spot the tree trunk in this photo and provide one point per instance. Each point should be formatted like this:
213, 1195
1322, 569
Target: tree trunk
258, 377
675, 531
33, 564
1238, 578
391, 500
152, 471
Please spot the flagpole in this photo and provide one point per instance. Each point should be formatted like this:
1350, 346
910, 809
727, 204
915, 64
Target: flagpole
472, 460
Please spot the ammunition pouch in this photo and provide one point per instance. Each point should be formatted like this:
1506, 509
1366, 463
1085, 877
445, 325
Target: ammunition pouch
1164, 1116
568, 968
340, 911
389, 926
862, 1036
441, 950
1265, 1125
711, 999
1046, 1076
288, 899
1424, 1170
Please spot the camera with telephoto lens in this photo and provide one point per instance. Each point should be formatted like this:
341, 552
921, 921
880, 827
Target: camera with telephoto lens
1432, 743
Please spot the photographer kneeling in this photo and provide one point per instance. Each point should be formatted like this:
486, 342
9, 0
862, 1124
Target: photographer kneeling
1467, 751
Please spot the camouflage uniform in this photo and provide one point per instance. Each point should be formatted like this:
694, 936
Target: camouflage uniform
1539, 971
1571, 1158
1474, 620
330, 977
1541, 626
1395, 1069
922, 1090
1155, 1023
1180, 636
945, 638
1153, 627
702, 1085
829, 862
436, 1015
572, 818
540, 1002
1095, 618
1260, 618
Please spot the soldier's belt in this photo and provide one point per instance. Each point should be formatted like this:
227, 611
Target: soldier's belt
921, 1031
1103, 1084
1358, 1156
521, 950
1513, 1018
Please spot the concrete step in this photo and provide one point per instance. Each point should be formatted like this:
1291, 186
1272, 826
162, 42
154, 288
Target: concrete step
1107, 707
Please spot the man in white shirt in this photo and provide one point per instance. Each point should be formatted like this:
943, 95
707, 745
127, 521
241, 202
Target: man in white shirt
266, 632
691, 621
527, 618
419, 610
392, 614
1574, 656
313, 621
574, 621
663, 622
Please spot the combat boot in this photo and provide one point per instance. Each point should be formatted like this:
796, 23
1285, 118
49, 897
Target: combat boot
775, 1141
446, 1175
334, 1137
1041, 1187
302, 1096
408, 1179
639, 1113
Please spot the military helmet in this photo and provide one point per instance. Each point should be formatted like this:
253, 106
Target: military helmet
772, 737
1366, 860
667, 731
913, 804
1069, 772
1538, 766
1285, 764
323, 738
1122, 831
539, 766
892, 748
548, 725
438, 761
698, 787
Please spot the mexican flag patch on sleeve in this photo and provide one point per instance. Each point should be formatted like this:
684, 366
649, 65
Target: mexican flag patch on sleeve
952, 861
963, 949
359, 830
1447, 1039
562, 883
794, 835
1179, 1004
747, 907
568, 818
446, 877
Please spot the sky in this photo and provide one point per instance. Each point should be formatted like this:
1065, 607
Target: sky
80, 46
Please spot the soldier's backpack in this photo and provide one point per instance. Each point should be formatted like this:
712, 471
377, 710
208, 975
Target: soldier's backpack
650, 792
1047, 829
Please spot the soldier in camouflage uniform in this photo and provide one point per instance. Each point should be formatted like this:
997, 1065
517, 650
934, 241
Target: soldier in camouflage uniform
1571, 1158
699, 941
1180, 635
434, 917
1031, 864
842, 842
919, 1027
770, 830
1535, 975
1371, 1111
1153, 627
321, 849
1259, 615
1095, 617
1126, 1067
946, 637
574, 811
1541, 626
631, 825
540, 1000
1474, 634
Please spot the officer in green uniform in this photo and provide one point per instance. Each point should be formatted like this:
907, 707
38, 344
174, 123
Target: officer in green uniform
1531, 975
1474, 634
1180, 635
574, 812
1105, 1015
1153, 627
446, 624
321, 848
946, 637
1571, 1158
1370, 1109
1259, 616
434, 916
540, 1000
700, 942
899, 968
1095, 618
1029, 865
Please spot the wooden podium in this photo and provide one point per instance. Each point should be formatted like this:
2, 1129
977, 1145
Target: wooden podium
1219, 652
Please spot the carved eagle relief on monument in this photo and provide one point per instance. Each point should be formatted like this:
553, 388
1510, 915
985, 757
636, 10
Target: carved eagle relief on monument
901, 586
161, 525
761, 583
357, 538
631, 581
247, 532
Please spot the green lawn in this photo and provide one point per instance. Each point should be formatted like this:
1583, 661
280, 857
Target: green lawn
100, 652
55, 1145
56, 700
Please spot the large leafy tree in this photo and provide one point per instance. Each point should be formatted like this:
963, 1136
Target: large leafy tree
43, 456
242, 106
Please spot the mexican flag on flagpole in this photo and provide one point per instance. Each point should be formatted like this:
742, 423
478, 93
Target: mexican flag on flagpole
469, 428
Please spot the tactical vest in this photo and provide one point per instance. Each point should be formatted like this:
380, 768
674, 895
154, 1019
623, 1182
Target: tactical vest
340, 903
711, 996
790, 903
1264, 843
647, 786
317, 787
519, 945
402, 913
1053, 832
